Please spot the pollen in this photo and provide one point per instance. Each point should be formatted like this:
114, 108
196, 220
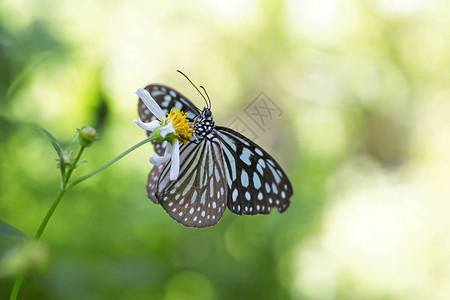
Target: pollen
180, 124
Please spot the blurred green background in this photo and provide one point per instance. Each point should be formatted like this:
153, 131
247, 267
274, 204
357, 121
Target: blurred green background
364, 136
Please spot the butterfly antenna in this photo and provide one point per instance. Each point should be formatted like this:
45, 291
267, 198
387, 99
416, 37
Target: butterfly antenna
193, 85
209, 100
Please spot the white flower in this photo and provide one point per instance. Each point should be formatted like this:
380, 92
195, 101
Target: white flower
172, 147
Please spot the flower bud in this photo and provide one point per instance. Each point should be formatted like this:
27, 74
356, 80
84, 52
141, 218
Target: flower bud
87, 135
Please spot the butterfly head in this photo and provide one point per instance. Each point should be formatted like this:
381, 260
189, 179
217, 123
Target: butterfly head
206, 113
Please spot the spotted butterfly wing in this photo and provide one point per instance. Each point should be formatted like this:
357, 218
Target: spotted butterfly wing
167, 99
198, 197
256, 183
152, 182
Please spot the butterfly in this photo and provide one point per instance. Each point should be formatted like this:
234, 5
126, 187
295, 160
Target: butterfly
219, 168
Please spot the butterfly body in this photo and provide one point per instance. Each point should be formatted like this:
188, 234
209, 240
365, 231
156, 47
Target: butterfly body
204, 124
219, 168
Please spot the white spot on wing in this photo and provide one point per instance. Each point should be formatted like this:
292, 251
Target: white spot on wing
244, 178
256, 180
274, 188
245, 156
234, 195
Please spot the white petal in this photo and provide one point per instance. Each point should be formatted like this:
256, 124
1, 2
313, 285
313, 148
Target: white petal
175, 167
165, 130
169, 148
148, 126
151, 103
157, 160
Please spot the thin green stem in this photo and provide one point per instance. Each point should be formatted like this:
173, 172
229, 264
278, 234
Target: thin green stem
65, 185
16, 287
115, 159
49, 214
47, 217
73, 166
44, 222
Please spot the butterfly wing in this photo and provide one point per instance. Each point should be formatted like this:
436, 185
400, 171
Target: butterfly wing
167, 98
199, 195
256, 182
152, 182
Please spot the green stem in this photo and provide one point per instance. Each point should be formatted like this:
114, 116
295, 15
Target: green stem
47, 217
65, 185
44, 222
73, 166
115, 159
49, 214
16, 287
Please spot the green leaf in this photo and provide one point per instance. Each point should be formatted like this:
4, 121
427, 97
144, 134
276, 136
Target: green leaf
8, 230
57, 147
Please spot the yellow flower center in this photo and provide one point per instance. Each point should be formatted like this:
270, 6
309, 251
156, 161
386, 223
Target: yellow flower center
180, 124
